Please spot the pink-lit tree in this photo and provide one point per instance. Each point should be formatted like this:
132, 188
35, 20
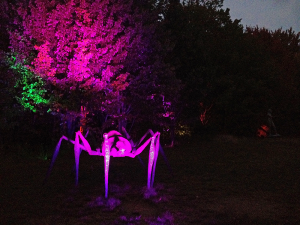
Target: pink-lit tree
89, 52
80, 46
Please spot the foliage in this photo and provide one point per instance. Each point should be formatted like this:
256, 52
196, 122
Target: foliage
201, 51
165, 64
281, 71
90, 52
231, 75
32, 86
79, 48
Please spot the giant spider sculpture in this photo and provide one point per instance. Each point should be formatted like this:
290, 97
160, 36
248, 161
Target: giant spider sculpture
116, 146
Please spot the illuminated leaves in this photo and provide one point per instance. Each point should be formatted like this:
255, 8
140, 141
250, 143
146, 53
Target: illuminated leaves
42, 63
32, 87
67, 36
80, 46
104, 55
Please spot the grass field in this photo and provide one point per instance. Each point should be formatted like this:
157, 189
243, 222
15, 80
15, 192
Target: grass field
221, 180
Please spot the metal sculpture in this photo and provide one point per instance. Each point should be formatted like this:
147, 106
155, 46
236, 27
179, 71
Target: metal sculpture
114, 145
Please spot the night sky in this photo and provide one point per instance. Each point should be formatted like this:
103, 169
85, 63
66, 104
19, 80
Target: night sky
271, 14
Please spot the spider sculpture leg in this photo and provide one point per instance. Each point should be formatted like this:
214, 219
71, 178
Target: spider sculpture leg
114, 145
153, 153
78, 147
77, 152
157, 149
150, 132
150, 162
56, 151
162, 153
106, 162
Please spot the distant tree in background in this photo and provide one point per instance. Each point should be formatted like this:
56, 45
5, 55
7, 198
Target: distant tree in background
231, 76
281, 71
205, 39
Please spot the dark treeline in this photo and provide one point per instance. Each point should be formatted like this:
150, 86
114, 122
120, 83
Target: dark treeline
230, 76
233, 74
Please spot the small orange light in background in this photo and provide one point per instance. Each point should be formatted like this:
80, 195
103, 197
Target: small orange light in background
263, 131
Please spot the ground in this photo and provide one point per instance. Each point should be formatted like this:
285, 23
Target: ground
219, 180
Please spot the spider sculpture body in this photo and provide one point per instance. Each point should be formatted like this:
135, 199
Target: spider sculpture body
116, 146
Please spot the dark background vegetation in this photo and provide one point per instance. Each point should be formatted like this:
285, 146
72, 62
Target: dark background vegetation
235, 73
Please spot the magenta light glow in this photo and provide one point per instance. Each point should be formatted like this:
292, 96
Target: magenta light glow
106, 163
72, 38
110, 147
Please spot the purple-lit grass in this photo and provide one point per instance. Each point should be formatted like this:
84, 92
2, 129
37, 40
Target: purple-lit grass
226, 180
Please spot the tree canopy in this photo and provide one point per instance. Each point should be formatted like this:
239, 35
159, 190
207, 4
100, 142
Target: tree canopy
231, 74
179, 65
89, 52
